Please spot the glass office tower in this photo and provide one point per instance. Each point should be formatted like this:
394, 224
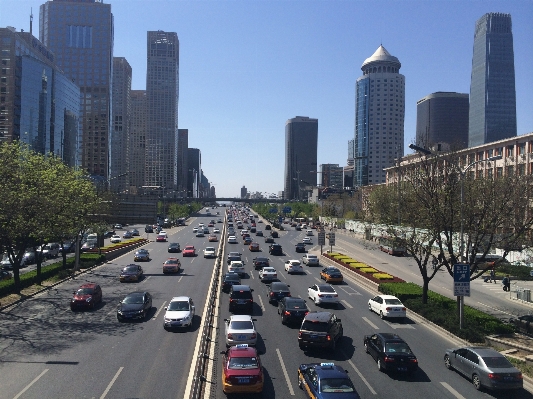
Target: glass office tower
492, 114
162, 93
301, 141
80, 34
379, 117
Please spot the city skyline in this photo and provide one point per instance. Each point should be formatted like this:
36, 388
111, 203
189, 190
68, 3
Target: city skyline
240, 82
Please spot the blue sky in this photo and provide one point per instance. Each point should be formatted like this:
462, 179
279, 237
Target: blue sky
248, 66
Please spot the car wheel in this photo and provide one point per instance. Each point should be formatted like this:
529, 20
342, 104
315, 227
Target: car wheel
381, 314
447, 362
379, 365
476, 382
366, 348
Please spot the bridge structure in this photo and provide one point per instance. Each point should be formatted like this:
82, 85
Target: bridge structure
229, 199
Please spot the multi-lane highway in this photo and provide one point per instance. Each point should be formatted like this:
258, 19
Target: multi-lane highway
47, 351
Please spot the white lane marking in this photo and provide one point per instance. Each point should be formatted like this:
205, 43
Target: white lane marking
371, 324
355, 292
318, 279
30, 384
111, 383
282, 275
159, 310
252, 274
496, 309
262, 306
285, 372
346, 303
452, 391
362, 377
146, 279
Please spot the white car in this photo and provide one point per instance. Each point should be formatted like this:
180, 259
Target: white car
236, 266
209, 252
244, 232
195, 230
268, 273
200, 233
216, 230
307, 240
232, 240
387, 306
6, 263
240, 329
309, 232
323, 293
310, 260
293, 266
179, 313
115, 239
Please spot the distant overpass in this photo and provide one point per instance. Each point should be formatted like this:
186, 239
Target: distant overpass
218, 199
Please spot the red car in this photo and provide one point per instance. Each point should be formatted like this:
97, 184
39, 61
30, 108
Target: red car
242, 371
161, 238
86, 297
189, 251
254, 247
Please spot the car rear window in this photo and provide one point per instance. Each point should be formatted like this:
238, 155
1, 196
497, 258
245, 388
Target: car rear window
392, 302
398, 347
295, 305
243, 363
336, 385
326, 288
241, 295
497, 362
317, 326
241, 325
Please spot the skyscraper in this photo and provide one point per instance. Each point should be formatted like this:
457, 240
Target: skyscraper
183, 146
120, 133
194, 167
80, 34
492, 114
162, 93
379, 117
442, 118
301, 141
137, 142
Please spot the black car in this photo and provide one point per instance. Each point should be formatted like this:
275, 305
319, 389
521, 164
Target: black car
269, 239
259, 263
268, 227
292, 310
174, 247
259, 233
229, 280
240, 298
320, 330
109, 234
233, 256
148, 229
135, 306
274, 234
277, 290
391, 352
275, 249
67, 247
300, 247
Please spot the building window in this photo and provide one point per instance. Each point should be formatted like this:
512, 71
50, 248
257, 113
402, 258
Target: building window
499, 171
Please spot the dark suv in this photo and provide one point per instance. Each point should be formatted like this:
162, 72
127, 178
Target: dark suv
240, 298
259, 263
320, 330
275, 249
233, 256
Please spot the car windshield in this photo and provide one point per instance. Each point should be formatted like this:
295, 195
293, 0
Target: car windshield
130, 269
172, 262
316, 326
243, 363
497, 362
133, 299
400, 347
296, 305
178, 305
336, 385
326, 288
85, 291
393, 301
241, 325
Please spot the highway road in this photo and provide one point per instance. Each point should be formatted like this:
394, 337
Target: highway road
47, 351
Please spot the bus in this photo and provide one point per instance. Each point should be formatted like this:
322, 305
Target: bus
392, 246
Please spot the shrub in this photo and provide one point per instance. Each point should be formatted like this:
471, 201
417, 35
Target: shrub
358, 265
383, 276
368, 270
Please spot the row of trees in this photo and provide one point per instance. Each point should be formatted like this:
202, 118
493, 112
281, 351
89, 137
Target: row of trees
42, 200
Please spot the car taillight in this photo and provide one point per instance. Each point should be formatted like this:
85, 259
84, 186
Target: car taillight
299, 334
253, 336
260, 378
230, 336
320, 295
404, 309
413, 360
328, 337
232, 300
287, 313
271, 294
306, 313
388, 359
493, 376
289, 294
388, 309
335, 296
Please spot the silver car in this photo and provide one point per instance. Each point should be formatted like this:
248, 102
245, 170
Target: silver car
485, 367
240, 329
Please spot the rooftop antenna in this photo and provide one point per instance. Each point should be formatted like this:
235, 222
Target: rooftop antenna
31, 21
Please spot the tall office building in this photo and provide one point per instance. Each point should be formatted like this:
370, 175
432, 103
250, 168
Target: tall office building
39, 104
492, 87
332, 175
80, 34
301, 141
162, 93
137, 141
244, 192
379, 117
194, 167
183, 146
442, 119
120, 134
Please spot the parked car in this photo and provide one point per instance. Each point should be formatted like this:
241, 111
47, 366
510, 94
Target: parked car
135, 306
320, 330
86, 297
391, 352
179, 313
485, 367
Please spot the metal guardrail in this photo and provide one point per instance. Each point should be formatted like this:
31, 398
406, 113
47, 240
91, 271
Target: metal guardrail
523, 294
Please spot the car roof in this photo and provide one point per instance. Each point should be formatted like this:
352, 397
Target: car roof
278, 285
388, 296
239, 351
483, 351
180, 298
241, 287
330, 370
88, 285
240, 317
390, 336
318, 316
293, 299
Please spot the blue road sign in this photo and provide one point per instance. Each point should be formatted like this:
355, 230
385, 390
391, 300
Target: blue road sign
461, 280
287, 209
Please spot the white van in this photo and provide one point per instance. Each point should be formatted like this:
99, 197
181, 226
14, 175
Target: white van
309, 232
